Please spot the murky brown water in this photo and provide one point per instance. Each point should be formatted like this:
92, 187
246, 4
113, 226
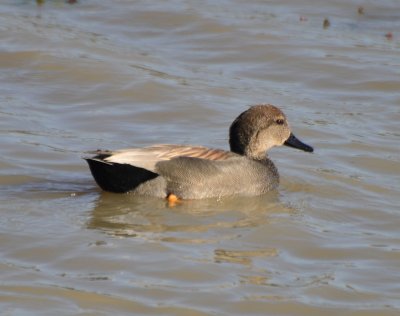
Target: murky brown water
114, 74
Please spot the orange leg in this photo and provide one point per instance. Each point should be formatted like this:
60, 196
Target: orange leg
172, 200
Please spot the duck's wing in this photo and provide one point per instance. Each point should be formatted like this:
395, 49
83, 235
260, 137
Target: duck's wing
148, 157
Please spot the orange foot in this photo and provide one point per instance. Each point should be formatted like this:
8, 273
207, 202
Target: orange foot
173, 200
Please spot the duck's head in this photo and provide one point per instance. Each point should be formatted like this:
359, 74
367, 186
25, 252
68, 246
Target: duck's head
258, 129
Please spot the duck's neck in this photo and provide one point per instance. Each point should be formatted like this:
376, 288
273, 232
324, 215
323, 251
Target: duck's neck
254, 155
244, 145
236, 147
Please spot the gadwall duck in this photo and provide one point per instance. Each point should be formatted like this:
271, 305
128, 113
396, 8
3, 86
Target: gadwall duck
195, 172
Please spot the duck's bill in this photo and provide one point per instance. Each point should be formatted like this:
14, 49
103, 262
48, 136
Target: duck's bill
294, 142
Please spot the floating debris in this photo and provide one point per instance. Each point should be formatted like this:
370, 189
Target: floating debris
42, 2
326, 23
389, 35
360, 10
303, 18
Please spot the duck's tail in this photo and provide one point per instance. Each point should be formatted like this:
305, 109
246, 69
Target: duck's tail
118, 178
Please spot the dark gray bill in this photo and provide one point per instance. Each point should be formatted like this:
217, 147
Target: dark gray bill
292, 141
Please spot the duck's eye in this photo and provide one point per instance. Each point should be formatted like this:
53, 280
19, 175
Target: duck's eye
279, 121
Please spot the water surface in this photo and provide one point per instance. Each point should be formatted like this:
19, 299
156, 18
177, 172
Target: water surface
77, 76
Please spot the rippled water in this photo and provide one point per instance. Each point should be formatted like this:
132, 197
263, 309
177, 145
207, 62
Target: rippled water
82, 75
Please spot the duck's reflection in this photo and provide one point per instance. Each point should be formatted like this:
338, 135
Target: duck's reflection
192, 221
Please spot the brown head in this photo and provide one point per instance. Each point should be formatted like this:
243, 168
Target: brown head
260, 128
